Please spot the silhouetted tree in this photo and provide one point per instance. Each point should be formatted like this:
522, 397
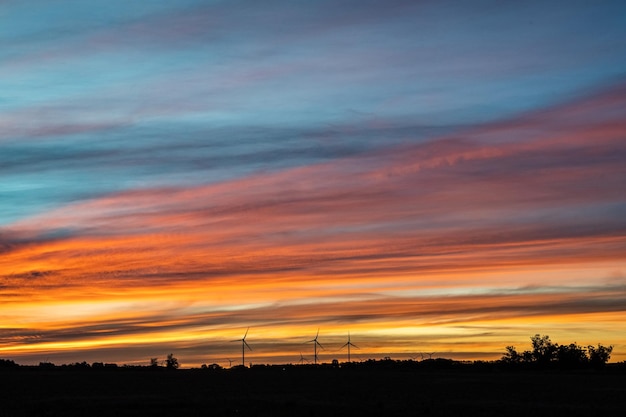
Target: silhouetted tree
599, 356
571, 356
527, 356
154, 362
512, 356
171, 362
544, 351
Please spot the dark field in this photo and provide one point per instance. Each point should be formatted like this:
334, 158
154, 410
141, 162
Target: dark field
309, 391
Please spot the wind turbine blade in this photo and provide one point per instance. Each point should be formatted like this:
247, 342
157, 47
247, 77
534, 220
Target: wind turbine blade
353, 345
317, 334
320, 345
247, 330
246, 343
345, 344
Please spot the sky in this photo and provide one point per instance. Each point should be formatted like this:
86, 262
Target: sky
425, 176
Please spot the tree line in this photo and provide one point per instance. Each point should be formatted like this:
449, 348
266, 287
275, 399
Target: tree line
545, 354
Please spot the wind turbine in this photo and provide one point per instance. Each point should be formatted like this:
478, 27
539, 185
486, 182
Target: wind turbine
430, 355
302, 359
230, 362
348, 343
315, 345
244, 344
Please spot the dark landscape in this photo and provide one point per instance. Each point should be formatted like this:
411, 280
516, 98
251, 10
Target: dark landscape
373, 388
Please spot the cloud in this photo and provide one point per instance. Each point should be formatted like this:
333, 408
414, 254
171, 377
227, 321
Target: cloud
521, 201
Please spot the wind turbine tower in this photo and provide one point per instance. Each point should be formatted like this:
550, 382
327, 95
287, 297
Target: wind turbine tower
244, 345
348, 344
315, 345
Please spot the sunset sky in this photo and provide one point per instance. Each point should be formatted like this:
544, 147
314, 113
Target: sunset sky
428, 176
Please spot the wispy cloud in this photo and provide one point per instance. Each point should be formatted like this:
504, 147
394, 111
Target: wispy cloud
425, 239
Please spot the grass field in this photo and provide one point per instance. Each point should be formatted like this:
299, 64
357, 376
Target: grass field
310, 391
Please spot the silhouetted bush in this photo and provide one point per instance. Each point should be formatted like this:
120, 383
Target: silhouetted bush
77, 365
171, 362
46, 365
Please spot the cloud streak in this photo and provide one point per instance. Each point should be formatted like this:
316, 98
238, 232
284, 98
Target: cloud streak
423, 239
